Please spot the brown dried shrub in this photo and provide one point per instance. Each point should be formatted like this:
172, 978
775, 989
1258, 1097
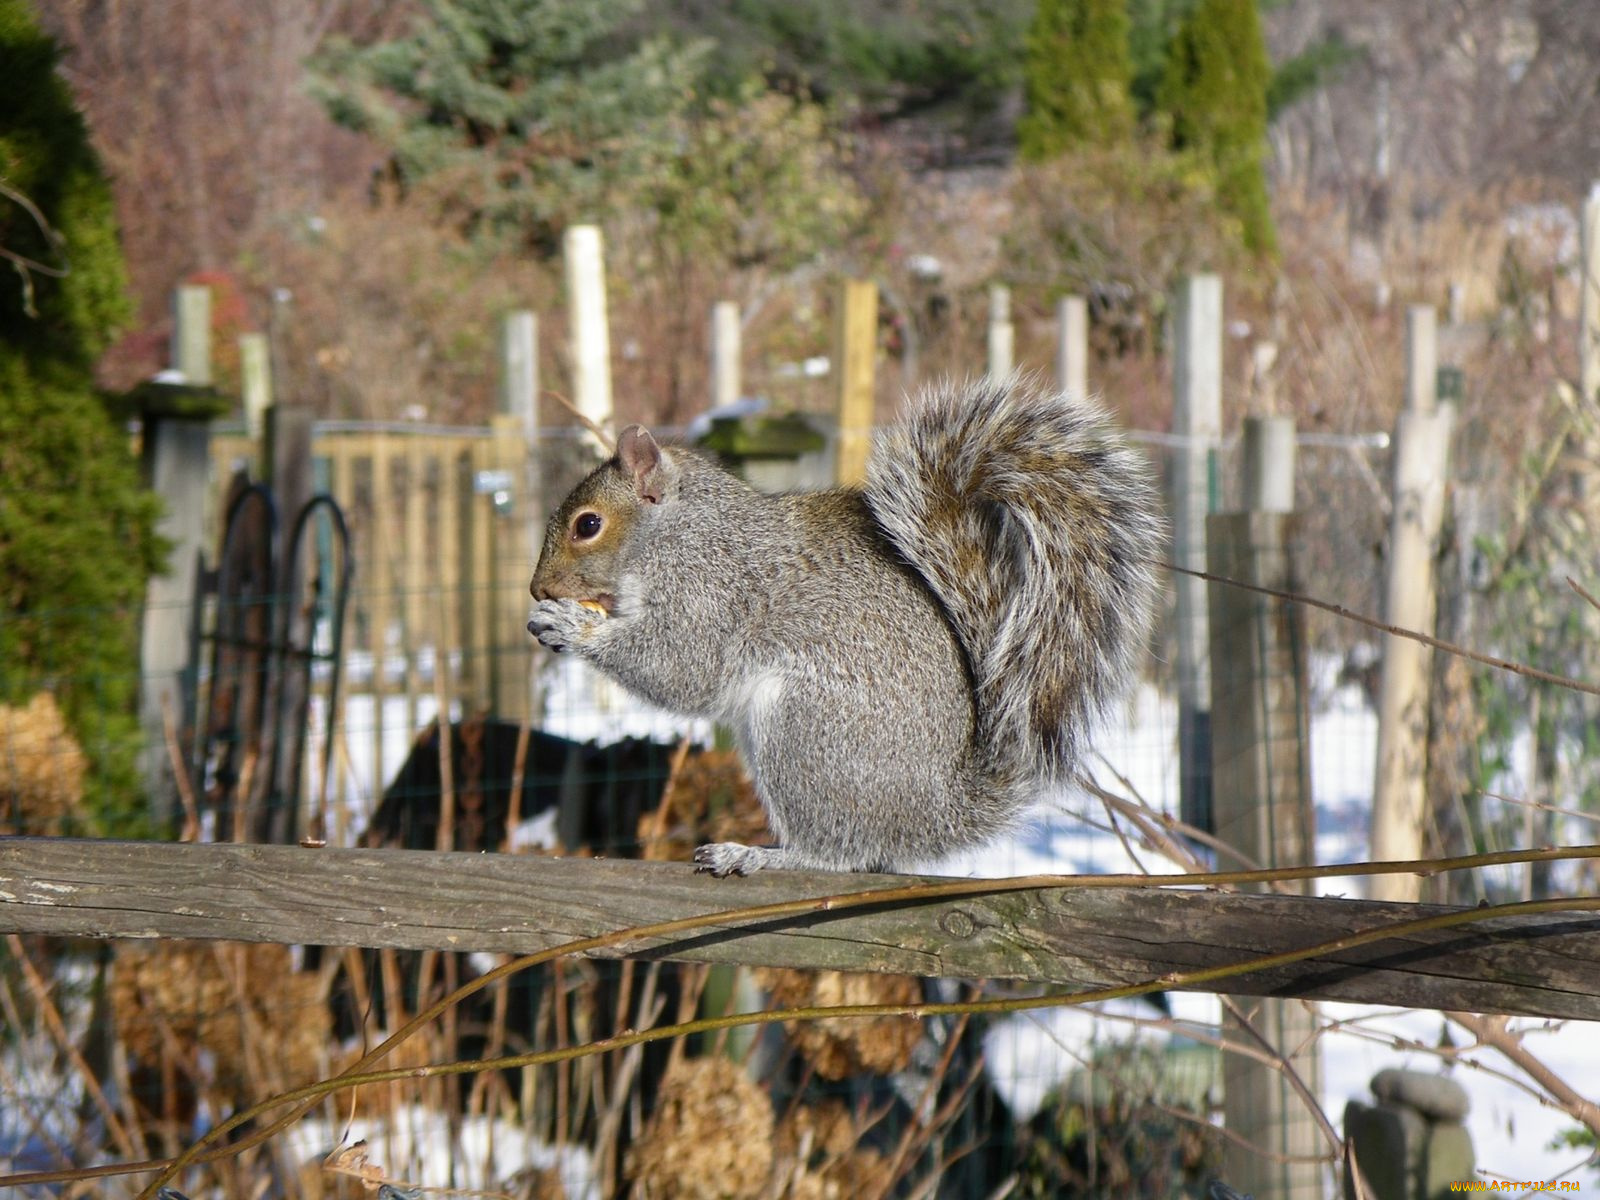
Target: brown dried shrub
41, 769
842, 1047
263, 1025
709, 1137
817, 1151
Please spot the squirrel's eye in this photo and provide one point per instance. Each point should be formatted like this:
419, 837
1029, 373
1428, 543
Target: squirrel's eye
587, 525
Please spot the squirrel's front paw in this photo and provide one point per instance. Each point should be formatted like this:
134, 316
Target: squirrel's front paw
562, 624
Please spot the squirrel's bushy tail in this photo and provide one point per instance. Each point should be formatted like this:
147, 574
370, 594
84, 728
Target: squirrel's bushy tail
1038, 529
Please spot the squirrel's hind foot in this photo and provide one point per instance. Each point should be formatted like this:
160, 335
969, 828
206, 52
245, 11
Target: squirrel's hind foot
730, 858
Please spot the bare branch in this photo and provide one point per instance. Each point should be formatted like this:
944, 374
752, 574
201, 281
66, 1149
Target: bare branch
1496, 1032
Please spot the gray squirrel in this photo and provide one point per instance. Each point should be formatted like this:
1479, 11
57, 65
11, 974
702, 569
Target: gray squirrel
903, 666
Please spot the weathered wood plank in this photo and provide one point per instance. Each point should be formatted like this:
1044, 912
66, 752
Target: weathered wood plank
1541, 965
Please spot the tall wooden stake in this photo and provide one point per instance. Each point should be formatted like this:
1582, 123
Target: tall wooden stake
1072, 345
1589, 360
514, 517
725, 334
855, 349
518, 390
1421, 456
591, 337
1002, 334
255, 381
287, 453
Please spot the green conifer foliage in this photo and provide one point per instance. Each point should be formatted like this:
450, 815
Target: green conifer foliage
515, 113
1076, 76
77, 540
1215, 91
519, 118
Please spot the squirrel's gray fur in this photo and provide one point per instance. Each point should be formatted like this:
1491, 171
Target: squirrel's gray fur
903, 665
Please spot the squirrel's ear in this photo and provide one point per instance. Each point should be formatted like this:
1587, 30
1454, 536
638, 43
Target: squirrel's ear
640, 456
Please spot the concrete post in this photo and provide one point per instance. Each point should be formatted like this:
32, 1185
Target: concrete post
1262, 774
1197, 421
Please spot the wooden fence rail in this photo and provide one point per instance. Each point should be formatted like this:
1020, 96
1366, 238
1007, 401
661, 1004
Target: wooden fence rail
1545, 965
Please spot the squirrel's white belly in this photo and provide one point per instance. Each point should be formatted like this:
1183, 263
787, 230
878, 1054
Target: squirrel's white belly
750, 702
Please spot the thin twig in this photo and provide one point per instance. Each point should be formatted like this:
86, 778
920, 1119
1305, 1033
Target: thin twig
1584, 592
1339, 610
652, 849
46, 1008
519, 768
1556, 809
1174, 849
606, 440
1238, 1139
12, 1086
191, 810
1455, 1055
1495, 1032
1288, 1071
920, 1128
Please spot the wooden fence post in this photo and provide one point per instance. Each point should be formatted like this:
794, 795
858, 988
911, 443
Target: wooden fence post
518, 390
1589, 359
725, 334
1269, 464
515, 517
855, 351
590, 332
1002, 334
1262, 777
1421, 457
1072, 345
288, 457
1197, 421
505, 505
255, 382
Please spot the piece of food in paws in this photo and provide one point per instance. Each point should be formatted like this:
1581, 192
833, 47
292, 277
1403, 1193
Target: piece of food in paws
594, 606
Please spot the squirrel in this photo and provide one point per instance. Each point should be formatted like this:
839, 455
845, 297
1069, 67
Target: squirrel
903, 665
